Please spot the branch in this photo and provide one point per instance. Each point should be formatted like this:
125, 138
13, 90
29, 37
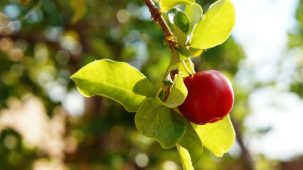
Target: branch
246, 156
156, 16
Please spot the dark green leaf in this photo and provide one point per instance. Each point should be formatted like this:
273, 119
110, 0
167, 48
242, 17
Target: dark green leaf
192, 143
157, 121
181, 21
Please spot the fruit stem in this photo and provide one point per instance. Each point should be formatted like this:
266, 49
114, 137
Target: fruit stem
171, 41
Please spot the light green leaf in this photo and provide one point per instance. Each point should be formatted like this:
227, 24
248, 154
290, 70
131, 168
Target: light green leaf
118, 81
156, 121
191, 142
215, 26
186, 67
196, 52
217, 137
177, 94
185, 158
166, 5
194, 13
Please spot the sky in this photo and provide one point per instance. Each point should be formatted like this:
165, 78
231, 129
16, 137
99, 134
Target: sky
261, 29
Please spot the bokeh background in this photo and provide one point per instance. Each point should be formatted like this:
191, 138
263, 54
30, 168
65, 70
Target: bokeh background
45, 124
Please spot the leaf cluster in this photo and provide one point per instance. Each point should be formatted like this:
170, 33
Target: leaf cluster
156, 112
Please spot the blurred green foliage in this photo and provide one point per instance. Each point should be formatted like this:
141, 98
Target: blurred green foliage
296, 41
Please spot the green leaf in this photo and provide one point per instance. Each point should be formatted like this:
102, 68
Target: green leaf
166, 5
182, 37
191, 143
217, 137
180, 30
194, 13
180, 24
181, 21
156, 121
118, 81
215, 26
196, 52
185, 158
186, 67
177, 94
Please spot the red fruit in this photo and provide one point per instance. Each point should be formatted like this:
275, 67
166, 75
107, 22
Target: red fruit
210, 97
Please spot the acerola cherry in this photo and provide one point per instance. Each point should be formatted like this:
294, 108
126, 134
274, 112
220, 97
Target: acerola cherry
210, 97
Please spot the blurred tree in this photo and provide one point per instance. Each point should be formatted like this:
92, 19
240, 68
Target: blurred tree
296, 42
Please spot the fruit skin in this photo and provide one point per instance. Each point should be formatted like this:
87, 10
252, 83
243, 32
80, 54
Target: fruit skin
210, 97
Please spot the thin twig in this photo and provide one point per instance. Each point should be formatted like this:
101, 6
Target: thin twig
157, 17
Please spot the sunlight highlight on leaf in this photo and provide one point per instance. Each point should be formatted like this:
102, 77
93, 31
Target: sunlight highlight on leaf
217, 137
215, 26
166, 5
118, 81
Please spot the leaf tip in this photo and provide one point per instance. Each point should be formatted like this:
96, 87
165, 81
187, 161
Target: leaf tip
73, 77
